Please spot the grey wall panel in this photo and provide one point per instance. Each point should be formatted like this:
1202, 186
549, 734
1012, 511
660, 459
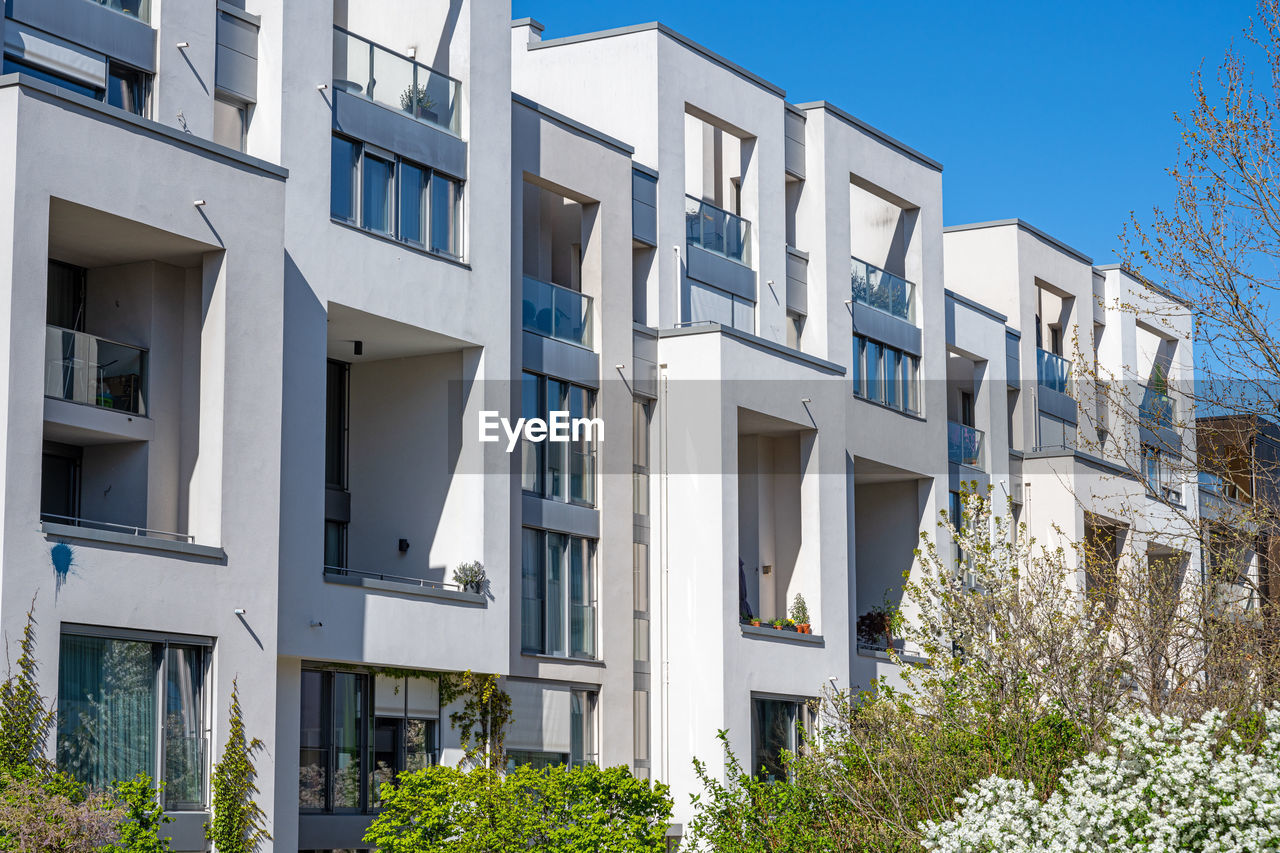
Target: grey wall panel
560, 517
644, 222
186, 831
237, 74
723, 273
405, 136
561, 360
1057, 404
797, 295
96, 27
881, 327
332, 831
238, 34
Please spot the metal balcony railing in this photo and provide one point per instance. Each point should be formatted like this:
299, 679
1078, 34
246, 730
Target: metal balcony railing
1053, 371
717, 230
965, 445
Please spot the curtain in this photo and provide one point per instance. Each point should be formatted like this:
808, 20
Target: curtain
107, 707
183, 732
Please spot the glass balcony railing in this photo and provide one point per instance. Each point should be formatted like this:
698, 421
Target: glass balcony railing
1157, 409
87, 369
557, 312
964, 445
1053, 371
883, 291
140, 9
385, 77
717, 230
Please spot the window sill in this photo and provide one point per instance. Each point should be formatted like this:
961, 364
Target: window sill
564, 659
408, 247
888, 408
865, 651
794, 637
452, 596
132, 541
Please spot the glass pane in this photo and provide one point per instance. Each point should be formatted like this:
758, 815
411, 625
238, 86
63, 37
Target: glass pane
392, 81
228, 124
335, 544
875, 382
313, 761
385, 756
640, 576
640, 640
446, 216
640, 707
859, 387
375, 201
107, 708
412, 201
531, 587
348, 720
556, 452
891, 377
183, 728
709, 305
127, 89
531, 452
912, 383
335, 427
773, 730
419, 744
342, 171
557, 544
582, 592
744, 315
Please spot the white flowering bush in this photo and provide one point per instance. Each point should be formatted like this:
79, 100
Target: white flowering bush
1161, 785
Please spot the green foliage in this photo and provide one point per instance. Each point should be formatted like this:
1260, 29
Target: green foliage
450, 810
25, 717
44, 811
800, 610
482, 720
143, 817
238, 824
748, 815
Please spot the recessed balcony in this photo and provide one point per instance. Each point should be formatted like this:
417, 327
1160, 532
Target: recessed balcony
84, 368
717, 230
883, 290
394, 81
555, 311
1053, 371
965, 445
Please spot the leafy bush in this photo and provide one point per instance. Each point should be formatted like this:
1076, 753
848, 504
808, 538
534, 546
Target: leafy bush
1161, 784
448, 810
142, 819
49, 812
25, 717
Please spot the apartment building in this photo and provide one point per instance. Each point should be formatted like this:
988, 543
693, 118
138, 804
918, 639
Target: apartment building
294, 257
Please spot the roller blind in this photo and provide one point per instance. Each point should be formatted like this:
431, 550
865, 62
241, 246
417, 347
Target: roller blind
540, 717
55, 55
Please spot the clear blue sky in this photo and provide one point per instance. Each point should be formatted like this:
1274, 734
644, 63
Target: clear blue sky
1060, 114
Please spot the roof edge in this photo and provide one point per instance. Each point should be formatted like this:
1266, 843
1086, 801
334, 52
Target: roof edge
573, 124
874, 131
1025, 226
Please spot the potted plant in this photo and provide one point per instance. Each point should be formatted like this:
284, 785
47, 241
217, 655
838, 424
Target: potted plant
777, 624
470, 576
800, 614
755, 623
877, 626
789, 625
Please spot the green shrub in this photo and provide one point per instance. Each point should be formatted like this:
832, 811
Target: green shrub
448, 810
238, 824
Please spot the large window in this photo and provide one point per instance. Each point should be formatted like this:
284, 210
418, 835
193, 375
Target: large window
551, 725
559, 470
230, 122
886, 375
127, 88
382, 193
133, 704
358, 732
558, 594
777, 726
337, 382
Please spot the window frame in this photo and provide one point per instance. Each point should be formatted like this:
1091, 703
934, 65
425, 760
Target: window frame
562, 601
800, 729
427, 208
203, 704
901, 392
548, 454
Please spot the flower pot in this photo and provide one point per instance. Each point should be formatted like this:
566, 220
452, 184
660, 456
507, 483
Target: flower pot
803, 628
755, 623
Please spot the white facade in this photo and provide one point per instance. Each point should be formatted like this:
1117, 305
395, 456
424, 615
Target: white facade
262, 363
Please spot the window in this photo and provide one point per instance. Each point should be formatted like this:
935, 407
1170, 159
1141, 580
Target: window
558, 470
127, 88
230, 123
359, 731
886, 375
1158, 471
130, 705
551, 725
557, 583
795, 329
777, 726
60, 482
335, 461
396, 198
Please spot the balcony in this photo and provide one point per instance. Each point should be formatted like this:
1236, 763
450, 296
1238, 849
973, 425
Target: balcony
396, 82
717, 230
1157, 410
84, 368
883, 291
1053, 371
140, 9
965, 445
557, 312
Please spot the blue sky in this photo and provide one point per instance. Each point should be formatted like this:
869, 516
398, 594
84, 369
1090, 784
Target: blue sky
1060, 114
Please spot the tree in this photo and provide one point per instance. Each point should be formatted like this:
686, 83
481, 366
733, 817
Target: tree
238, 824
